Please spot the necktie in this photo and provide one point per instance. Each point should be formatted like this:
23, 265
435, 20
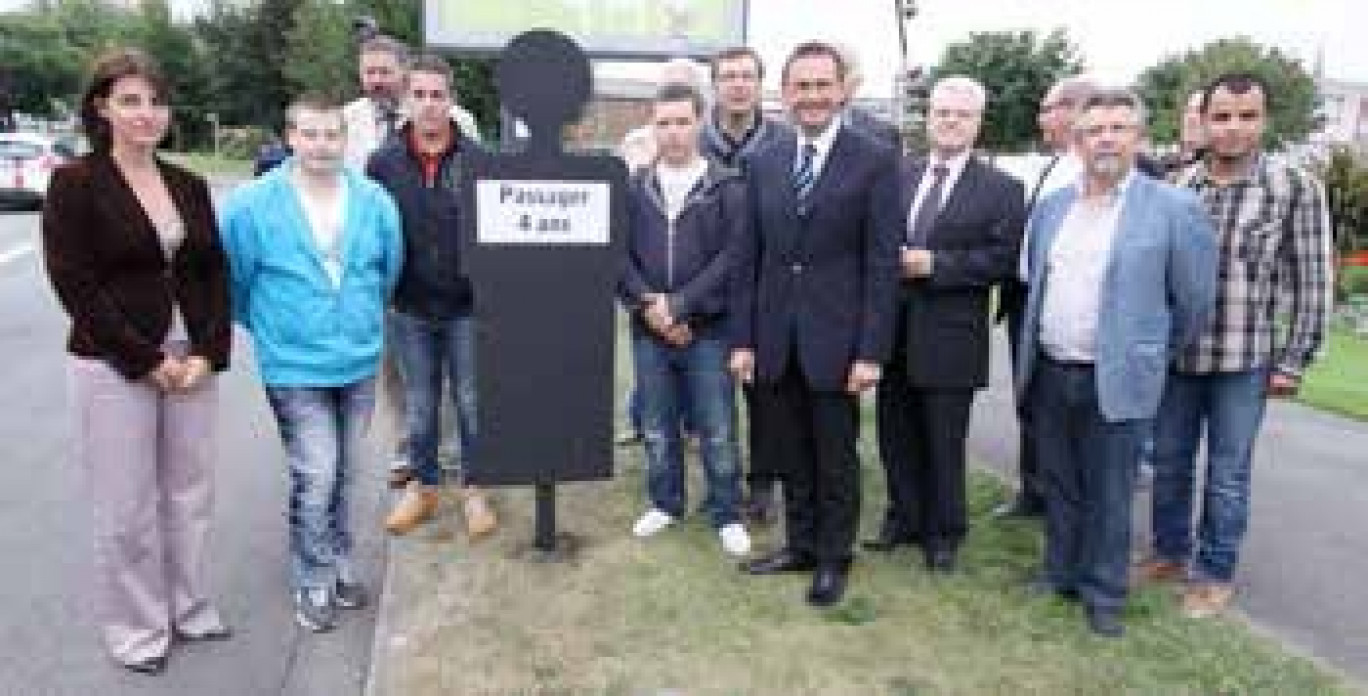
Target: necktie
930, 208
805, 176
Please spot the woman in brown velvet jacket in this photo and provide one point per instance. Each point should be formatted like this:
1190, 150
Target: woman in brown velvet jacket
132, 250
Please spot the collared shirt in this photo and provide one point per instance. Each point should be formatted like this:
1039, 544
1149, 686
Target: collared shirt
954, 168
823, 143
1051, 173
1276, 252
1076, 270
431, 162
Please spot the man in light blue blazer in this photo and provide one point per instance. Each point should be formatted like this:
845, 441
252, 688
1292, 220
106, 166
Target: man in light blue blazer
315, 251
1122, 274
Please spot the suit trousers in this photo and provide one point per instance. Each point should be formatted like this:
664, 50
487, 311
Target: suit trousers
921, 443
812, 436
148, 457
1028, 472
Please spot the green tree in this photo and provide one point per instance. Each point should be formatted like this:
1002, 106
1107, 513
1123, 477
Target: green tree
321, 51
177, 50
1017, 68
42, 69
247, 46
1292, 99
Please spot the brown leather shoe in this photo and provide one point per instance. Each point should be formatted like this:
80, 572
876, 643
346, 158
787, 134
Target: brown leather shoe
1203, 600
479, 514
1157, 570
418, 505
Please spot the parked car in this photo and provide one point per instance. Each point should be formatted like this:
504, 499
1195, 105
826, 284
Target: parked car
27, 161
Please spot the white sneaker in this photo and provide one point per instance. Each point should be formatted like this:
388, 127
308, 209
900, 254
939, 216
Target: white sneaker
735, 540
653, 521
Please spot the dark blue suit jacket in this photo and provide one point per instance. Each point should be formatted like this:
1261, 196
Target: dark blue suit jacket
818, 280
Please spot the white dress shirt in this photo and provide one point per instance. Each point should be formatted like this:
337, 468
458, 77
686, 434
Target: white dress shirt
1076, 270
954, 168
1065, 172
822, 143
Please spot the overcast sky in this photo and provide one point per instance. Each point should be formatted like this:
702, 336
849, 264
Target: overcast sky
1118, 38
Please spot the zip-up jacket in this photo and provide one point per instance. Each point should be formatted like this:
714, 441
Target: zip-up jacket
688, 258
433, 285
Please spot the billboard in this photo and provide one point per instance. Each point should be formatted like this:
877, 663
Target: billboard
605, 28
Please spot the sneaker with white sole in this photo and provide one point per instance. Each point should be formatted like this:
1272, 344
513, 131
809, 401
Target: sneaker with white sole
735, 540
314, 609
652, 522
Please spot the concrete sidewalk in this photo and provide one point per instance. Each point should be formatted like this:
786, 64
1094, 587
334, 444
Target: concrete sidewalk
1305, 559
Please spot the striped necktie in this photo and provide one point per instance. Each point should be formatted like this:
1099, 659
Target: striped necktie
805, 175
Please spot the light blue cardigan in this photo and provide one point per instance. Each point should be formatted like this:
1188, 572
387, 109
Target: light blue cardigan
306, 332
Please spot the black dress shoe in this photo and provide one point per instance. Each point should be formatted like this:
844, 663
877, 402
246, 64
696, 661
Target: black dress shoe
1105, 622
220, 633
828, 585
1041, 587
782, 561
940, 560
1022, 507
151, 666
889, 540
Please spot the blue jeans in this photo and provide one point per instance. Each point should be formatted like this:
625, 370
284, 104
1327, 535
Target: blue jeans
662, 371
1087, 474
428, 353
1230, 407
685, 408
324, 430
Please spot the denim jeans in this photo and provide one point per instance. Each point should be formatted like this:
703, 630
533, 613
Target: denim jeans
1230, 407
1087, 474
324, 432
685, 409
662, 371
429, 353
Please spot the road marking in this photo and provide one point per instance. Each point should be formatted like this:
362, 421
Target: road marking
16, 253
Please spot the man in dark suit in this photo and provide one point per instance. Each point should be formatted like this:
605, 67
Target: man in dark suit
962, 237
1059, 168
813, 296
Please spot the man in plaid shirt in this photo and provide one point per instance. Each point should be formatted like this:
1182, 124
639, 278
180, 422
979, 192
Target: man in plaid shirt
1275, 254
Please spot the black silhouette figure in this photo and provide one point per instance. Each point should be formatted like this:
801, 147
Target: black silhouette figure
545, 309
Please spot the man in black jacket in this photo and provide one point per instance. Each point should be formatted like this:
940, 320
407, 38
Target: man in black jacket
963, 231
432, 325
686, 215
734, 130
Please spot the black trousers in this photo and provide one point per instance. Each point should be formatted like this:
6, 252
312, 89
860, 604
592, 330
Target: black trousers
763, 471
921, 443
1028, 472
812, 437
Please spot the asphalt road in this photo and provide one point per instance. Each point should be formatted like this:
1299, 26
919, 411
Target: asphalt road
50, 646
1305, 558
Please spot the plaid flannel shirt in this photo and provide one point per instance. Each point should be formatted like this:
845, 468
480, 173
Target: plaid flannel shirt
1276, 255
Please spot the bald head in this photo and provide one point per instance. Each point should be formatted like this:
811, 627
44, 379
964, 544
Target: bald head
1059, 109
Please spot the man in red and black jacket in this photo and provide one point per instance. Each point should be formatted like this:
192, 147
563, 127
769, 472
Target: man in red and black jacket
432, 326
